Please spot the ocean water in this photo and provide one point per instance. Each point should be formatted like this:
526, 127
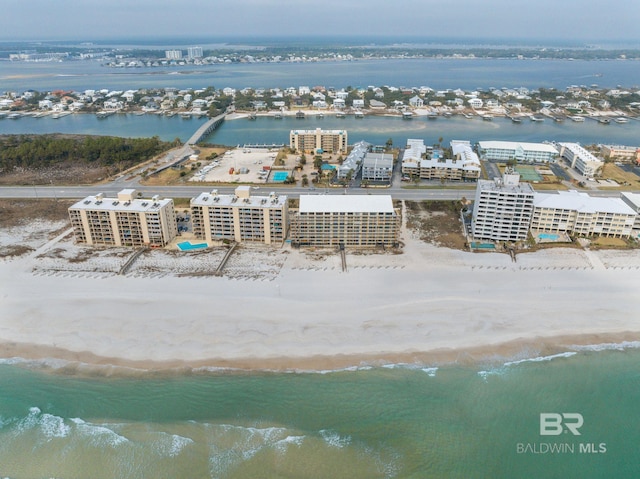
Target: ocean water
394, 421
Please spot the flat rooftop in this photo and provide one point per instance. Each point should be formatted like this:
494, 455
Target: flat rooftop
139, 205
346, 204
582, 203
214, 199
513, 145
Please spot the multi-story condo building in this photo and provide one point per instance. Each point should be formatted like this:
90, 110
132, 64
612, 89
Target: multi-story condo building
377, 167
240, 217
194, 52
621, 153
413, 153
580, 159
520, 152
353, 162
633, 201
124, 221
571, 211
502, 209
354, 220
465, 164
318, 141
173, 54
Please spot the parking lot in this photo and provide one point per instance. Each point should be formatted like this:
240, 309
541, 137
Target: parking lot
241, 165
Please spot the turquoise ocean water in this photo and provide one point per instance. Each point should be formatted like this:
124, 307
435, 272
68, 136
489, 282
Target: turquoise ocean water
402, 421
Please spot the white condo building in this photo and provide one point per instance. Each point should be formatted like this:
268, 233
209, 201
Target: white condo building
580, 159
571, 211
353, 162
502, 209
240, 217
465, 164
173, 54
125, 220
520, 152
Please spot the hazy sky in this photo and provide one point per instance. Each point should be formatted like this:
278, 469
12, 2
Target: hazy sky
579, 20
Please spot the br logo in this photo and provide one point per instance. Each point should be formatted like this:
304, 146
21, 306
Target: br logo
554, 424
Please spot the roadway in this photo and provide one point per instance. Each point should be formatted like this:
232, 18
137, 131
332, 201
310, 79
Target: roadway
111, 189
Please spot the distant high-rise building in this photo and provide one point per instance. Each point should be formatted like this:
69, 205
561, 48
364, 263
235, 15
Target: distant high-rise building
194, 52
173, 54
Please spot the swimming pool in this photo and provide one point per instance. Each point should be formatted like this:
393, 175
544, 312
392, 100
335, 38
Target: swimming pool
188, 246
280, 176
548, 236
475, 245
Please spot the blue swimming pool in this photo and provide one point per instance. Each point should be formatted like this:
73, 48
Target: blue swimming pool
548, 236
280, 176
475, 245
188, 246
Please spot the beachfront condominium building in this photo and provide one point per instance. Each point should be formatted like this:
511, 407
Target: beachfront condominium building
240, 217
377, 167
124, 221
413, 153
520, 152
580, 159
574, 212
502, 208
359, 221
318, 141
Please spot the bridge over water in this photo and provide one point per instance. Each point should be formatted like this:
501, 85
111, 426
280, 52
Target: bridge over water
206, 128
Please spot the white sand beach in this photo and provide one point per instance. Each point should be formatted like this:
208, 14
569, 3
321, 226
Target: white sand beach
279, 308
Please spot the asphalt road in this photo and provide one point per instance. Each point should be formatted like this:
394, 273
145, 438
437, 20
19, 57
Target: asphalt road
193, 191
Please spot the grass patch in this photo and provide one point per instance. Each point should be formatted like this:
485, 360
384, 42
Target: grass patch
16, 212
436, 222
610, 171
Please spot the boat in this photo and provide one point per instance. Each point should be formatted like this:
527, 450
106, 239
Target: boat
252, 116
468, 116
138, 113
535, 118
358, 115
278, 116
340, 115
104, 114
320, 115
516, 120
604, 121
14, 116
447, 114
621, 120
558, 119
170, 114
577, 118
487, 117
432, 116
186, 115
407, 115
300, 115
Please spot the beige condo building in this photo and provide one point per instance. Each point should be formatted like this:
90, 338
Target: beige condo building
240, 217
318, 141
125, 220
353, 220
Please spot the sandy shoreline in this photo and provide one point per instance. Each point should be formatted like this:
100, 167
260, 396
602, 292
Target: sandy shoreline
427, 306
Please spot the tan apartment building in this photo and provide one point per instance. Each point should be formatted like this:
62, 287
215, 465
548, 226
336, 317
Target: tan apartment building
240, 217
575, 212
124, 221
621, 153
351, 221
318, 141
